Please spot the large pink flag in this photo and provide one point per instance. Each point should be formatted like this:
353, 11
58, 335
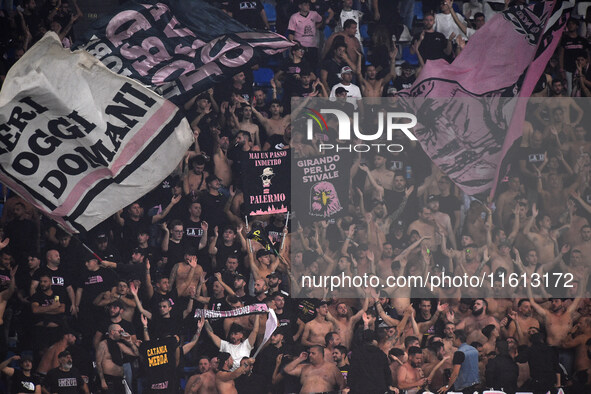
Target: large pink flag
469, 111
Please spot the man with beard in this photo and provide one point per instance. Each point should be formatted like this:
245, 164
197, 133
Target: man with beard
114, 311
520, 326
65, 379
339, 356
222, 163
48, 309
442, 220
273, 283
204, 381
437, 359
239, 286
425, 226
477, 321
346, 324
449, 337
319, 375
286, 318
410, 374
109, 358
213, 202
407, 78
60, 280
585, 245
185, 275
22, 380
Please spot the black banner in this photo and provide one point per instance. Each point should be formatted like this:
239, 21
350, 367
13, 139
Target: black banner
266, 183
320, 187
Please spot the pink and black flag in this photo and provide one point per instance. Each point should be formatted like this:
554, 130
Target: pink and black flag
469, 111
178, 47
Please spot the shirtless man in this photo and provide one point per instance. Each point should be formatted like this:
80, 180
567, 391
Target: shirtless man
410, 374
425, 226
50, 359
346, 324
276, 124
585, 245
315, 330
224, 379
204, 381
264, 263
247, 124
370, 85
382, 175
194, 177
449, 338
542, 239
477, 321
577, 338
319, 376
521, 323
110, 366
186, 274
558, 320
502, 259
506, 201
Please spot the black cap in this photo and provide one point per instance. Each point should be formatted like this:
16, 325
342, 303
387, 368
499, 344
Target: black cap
407, 66
191, 251
432, 197
138, 250
101, 236
263, 252
340, 90
239, 276
65, 353
322, 302
274, 275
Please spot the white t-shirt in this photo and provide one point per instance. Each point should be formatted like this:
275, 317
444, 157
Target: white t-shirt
353, 92
445, 24
238, 352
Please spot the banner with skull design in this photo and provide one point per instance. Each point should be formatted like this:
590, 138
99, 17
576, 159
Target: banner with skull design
265, 182
320, 187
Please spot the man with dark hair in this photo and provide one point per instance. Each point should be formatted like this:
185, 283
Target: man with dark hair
410, 375
543, 364
502, 371
319, 375
465, 373
267, 358
23, 381
331, 66
224, 379
431, 44
204, 381
370, 370
48, 307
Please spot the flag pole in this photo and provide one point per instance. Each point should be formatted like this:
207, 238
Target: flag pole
283, 238
249, 243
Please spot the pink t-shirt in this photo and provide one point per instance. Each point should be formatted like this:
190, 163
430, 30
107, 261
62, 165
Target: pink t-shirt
304, 28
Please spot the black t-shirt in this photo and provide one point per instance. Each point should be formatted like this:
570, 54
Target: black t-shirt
288, 319
533, 157
403, 82
104, 324
22, 383
96, 282
333, 68
248, 12
130, 231
433, 45
293, 72
44, 300
572, 48
158, 361
175, 254
60, 278
213, 210
58, 381
193, 232
225, 251
171, 296
161, 327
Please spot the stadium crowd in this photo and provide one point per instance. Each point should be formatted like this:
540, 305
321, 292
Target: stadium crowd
74, 321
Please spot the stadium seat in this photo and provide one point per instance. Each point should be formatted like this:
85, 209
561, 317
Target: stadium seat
262, 76
363, 32
271, 12
409, 57
419, 10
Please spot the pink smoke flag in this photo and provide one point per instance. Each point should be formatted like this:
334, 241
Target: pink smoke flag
469, 112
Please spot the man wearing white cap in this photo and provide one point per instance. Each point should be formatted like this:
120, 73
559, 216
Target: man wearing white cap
353, 91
